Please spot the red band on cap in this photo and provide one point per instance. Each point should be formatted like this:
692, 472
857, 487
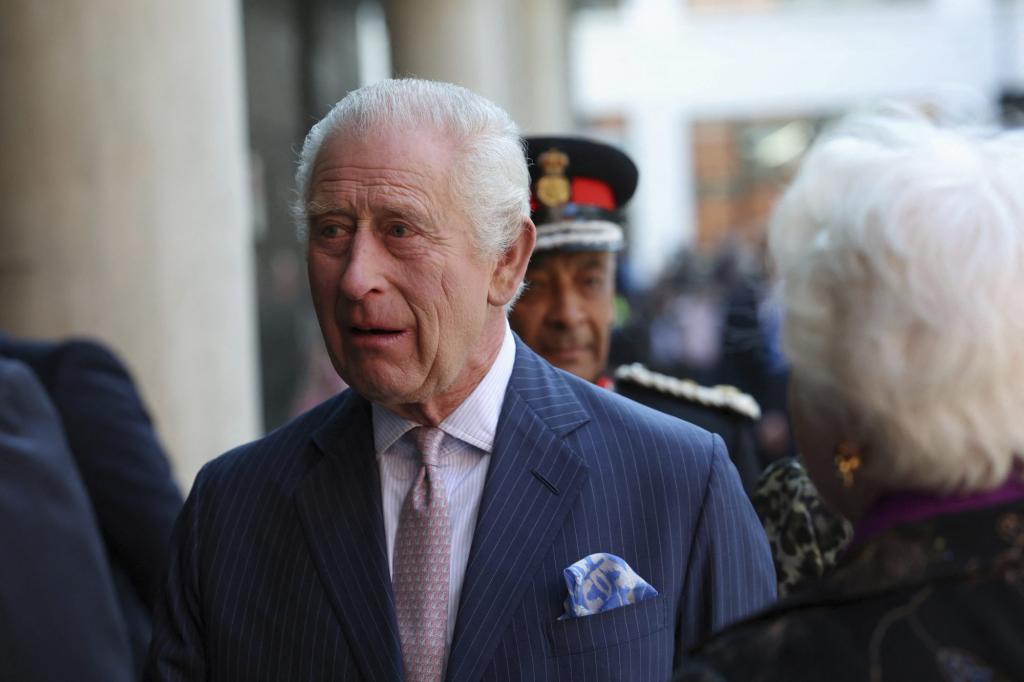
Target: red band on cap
584, 192
590, 192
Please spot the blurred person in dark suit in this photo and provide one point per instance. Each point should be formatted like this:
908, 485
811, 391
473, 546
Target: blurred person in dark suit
121, 462
567, 310
900, 248
59, 616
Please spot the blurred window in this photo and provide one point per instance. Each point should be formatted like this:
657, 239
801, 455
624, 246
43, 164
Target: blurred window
740, 168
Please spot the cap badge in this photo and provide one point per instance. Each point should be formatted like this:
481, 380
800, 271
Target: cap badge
553, 187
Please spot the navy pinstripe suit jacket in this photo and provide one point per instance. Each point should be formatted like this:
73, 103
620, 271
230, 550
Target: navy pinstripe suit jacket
279, 570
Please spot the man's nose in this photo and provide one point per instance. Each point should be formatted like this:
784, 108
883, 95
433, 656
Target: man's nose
567, 308
363, 271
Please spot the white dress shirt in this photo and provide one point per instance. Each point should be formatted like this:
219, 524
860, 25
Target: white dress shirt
465, 455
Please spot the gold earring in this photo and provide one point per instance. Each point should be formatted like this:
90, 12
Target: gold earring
847, 461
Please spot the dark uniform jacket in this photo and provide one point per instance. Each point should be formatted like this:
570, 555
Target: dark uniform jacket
941, 599
724, 410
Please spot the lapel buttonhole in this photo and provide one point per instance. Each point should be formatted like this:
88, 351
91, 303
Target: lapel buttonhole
548, 484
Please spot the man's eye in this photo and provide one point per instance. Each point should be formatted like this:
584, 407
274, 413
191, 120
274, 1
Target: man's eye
399, 230
330, 230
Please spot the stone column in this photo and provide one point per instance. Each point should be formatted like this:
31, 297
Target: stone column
125, 201
511, 51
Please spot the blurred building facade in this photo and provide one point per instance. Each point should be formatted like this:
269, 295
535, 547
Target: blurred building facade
717, 99
148, 171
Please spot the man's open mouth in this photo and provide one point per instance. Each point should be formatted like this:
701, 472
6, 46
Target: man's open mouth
374, 330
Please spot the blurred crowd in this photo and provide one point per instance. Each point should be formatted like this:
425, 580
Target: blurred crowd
713, 317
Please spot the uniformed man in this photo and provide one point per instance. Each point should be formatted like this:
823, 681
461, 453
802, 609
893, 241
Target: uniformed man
566, 313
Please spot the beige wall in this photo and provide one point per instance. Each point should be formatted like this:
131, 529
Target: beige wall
125, 206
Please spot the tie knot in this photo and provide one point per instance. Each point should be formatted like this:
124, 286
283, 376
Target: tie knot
428, 442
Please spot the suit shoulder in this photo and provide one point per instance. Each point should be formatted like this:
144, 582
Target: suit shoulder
86, 348
14, 371
19, 387
274, 456
69, 363
73, 353
671, 460
643, 430
638, 382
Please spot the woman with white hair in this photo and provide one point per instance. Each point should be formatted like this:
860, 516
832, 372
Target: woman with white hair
900, 249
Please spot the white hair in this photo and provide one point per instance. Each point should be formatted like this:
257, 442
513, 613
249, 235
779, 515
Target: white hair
489, 180
900, 248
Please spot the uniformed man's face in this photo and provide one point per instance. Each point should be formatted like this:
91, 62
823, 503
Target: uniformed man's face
567, 310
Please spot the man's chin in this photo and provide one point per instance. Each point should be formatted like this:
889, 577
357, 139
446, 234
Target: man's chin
383, 390
583, 369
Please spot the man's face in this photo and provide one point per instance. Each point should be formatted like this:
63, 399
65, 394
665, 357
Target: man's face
400, 291
567, 310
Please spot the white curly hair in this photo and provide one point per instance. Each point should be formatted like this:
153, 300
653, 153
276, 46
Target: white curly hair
900, 251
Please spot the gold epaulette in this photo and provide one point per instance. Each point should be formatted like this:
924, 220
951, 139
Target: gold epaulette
724, 397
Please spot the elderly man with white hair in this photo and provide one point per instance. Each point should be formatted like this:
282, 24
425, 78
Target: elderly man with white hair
901, 251
465, 511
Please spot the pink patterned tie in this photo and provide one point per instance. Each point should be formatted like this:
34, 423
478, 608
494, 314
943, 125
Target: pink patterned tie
422, 556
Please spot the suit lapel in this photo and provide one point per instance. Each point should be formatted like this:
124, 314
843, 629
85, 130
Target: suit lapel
533, 481
339, 506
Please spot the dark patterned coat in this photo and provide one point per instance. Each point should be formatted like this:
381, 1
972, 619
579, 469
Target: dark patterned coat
941, 599
805, 536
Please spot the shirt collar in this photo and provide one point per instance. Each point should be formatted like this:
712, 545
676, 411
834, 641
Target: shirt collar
475, 421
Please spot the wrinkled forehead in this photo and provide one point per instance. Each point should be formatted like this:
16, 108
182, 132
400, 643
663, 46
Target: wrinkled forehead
420, 148
386, 165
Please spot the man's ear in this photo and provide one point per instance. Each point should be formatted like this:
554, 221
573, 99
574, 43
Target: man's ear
511, 266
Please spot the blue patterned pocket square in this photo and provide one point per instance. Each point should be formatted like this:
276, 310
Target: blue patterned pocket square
602, 582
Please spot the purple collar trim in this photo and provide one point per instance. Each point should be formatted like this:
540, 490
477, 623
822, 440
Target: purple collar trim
899, 508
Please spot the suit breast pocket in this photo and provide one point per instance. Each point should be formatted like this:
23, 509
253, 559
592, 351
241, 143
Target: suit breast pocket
607, 629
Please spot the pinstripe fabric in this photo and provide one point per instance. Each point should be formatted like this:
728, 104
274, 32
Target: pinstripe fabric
280, 564
466, 456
